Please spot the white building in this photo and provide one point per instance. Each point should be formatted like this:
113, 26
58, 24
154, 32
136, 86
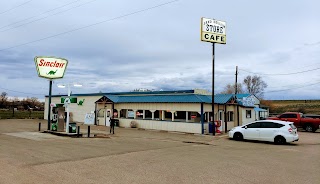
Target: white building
181, 110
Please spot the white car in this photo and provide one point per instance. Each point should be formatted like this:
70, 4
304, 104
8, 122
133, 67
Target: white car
279, 132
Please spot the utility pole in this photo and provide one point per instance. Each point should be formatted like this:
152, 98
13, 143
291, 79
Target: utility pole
236, 85
236, 92
49, 103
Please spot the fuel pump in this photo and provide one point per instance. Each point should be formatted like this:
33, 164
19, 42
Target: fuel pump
54, 119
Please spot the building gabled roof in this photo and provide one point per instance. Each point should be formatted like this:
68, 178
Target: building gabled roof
242, 95
223, 98
108, 99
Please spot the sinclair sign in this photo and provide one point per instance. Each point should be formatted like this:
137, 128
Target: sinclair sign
50, 67
213, 31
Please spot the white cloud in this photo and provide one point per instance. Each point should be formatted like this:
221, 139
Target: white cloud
161, 48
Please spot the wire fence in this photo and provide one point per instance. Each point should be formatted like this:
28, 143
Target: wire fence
17, 114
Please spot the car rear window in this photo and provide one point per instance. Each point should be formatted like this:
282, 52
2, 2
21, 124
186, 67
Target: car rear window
292, 126
288, 116
280, 125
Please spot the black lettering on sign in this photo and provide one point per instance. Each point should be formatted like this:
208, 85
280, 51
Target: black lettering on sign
206, 36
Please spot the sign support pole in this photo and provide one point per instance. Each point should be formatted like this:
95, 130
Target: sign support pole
213, 31
212, 116
49, 106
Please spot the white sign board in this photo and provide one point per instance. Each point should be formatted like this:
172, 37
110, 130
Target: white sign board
130, 114
213, 31
248, 101
50, 67
89, 119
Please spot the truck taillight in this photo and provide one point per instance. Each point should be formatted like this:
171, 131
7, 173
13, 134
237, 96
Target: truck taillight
290, 130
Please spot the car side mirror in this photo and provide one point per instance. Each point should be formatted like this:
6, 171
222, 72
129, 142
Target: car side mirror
245, 127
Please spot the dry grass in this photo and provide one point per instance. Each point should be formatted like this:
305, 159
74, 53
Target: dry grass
304, 106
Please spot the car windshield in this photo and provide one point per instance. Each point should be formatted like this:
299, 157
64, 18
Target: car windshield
292, 126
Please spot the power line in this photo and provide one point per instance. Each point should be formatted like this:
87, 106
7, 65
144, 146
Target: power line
20, 91
282, 73
292, 88
291, 85
15, 7
90, 25
39, 14
47, 16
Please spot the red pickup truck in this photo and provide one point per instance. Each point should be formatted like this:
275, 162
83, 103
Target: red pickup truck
308, 123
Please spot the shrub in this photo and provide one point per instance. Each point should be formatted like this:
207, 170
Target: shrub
133, 124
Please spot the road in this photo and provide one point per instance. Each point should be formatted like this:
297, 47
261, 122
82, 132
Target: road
144, 156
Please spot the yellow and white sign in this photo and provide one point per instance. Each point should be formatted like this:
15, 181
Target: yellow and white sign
51, 67
213, 31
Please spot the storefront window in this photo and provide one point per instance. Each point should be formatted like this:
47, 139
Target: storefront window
248, 113
230, 116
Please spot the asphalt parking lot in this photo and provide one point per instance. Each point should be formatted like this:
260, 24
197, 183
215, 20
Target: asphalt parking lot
143, 156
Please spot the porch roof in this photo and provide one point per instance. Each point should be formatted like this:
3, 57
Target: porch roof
259, 109
192, 98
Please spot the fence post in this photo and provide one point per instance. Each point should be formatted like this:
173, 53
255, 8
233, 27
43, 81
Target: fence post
89, 131
39, 126
78, 131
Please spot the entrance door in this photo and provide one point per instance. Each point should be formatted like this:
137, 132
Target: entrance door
108, 116
221, 119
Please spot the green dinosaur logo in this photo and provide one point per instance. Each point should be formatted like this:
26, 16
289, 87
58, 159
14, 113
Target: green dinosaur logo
52, 72
81, 102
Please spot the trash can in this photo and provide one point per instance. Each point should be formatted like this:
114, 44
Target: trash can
211, 127
72, 127
53, 126
116, 122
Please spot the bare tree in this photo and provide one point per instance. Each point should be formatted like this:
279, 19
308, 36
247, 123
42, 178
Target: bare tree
3, 99
230, 89
255, 85
34, 101
30, 103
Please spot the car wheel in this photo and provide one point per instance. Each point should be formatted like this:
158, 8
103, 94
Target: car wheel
309, 128
279, 140
238, 136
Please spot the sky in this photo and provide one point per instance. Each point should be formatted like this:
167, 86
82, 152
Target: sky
119, 46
